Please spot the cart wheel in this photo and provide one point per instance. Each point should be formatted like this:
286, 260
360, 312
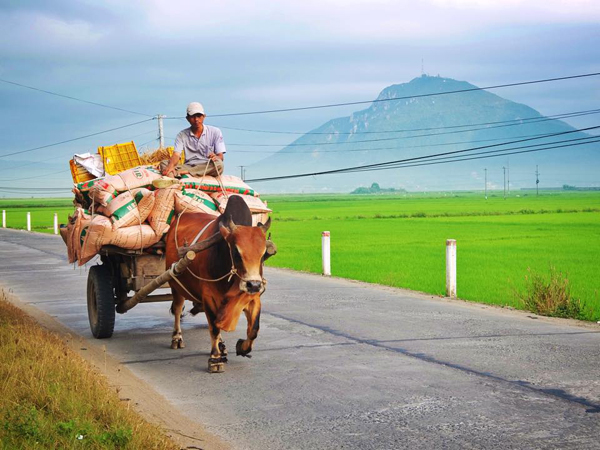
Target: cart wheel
100, 302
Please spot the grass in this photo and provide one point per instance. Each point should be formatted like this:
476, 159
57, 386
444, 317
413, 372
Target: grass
400, 241
42, 212
550, 295
51, 398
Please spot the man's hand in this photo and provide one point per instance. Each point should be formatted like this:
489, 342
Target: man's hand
168, 172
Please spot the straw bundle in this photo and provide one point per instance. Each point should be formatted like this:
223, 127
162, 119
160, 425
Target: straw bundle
156, 156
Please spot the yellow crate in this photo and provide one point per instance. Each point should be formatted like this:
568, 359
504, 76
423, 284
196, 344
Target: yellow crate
79, 173
172, 149
119, 157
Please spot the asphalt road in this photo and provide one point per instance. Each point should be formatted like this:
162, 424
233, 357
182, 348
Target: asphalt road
341, 364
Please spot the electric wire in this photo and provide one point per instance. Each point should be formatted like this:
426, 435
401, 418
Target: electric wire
332, 105
381, 139
342, 170
428, 163
74, 98
74, 139
538, 118
60, 157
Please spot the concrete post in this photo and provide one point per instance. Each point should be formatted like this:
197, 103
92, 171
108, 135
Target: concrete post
326, 253
161, 137
451, 268
55, 223
3, 218
28, 221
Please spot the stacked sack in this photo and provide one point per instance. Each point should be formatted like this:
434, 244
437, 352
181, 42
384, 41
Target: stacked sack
127, 211
219, 194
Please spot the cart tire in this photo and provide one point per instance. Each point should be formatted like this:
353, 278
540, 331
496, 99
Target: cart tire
100, 302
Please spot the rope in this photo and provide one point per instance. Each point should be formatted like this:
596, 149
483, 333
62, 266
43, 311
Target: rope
139, 214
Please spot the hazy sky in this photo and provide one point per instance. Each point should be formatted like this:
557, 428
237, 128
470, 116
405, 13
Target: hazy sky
156, 56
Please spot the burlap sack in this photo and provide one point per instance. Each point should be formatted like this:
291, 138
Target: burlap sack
254, 203
138, 177
231, 184
193, 200
135, 237
93, 236
100, 192
130, 208
164, 209
80, 219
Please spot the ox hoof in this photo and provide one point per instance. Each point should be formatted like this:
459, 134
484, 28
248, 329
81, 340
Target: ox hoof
216, 365
177, 343
222, 348
239, 350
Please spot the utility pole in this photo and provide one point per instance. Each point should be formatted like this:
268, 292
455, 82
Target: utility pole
508, 176
242, 173
537, 181
504, 169
485, 183
161, 136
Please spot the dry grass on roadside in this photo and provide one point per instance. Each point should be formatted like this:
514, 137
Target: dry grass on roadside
51, 398
550, 295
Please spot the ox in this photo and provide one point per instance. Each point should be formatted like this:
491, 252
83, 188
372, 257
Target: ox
223, 280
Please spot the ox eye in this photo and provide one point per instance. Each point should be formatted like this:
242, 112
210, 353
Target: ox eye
236, 254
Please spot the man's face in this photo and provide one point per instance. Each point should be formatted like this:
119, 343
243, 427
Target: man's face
196, 120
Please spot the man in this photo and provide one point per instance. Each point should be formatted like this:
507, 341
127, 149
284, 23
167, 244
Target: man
202, 145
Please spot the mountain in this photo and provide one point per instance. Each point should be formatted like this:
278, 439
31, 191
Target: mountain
380, 133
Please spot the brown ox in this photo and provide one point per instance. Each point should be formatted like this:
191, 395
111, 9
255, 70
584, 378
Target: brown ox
241, 250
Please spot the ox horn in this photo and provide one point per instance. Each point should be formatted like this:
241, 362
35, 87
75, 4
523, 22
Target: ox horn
266, 226
231, 225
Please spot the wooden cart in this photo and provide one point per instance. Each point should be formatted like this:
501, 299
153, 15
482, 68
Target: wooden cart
121, 272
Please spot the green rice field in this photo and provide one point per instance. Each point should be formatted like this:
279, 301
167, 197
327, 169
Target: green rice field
399, 240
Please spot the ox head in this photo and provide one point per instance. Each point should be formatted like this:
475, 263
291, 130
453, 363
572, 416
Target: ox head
248, 247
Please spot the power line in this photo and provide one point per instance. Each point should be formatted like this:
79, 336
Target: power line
387, 163
536, 119
74, 139
73, 98
57, 157
498, 152
364, 149
428, 163
332, 105
385, 139
476, 156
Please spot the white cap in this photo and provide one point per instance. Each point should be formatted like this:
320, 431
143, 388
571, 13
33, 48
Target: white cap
195, 108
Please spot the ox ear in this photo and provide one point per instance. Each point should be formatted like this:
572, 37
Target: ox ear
266, 226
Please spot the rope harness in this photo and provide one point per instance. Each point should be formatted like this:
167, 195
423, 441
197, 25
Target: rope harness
233, 271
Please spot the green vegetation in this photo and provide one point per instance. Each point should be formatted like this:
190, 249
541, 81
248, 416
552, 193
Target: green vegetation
550, 296
51, 398
42, 212
399, 240
375, 189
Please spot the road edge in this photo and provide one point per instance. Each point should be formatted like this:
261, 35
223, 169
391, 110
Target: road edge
148, 403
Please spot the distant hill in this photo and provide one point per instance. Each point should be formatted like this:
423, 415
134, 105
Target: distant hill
371, 136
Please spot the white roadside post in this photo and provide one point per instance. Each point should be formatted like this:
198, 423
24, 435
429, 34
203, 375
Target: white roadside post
55, 223
28, 221
451, 268
326, 253
3, 218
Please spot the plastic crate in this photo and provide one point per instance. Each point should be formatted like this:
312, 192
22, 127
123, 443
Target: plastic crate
119, 157
79, 173
172, 149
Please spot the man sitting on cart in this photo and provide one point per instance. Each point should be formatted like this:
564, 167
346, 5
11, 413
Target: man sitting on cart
202, 145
